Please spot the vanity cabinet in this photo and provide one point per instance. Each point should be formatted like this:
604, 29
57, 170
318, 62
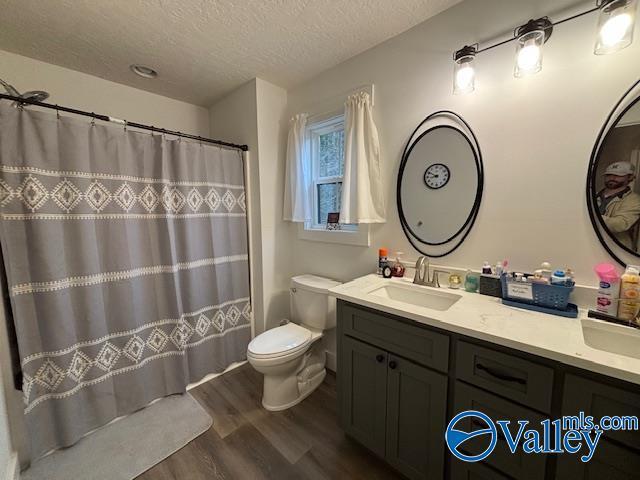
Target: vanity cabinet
400, 382
394, 407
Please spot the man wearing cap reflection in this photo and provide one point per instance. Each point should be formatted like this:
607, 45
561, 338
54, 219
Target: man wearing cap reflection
618, 204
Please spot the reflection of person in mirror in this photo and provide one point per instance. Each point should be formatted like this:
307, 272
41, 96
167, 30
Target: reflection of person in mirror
619, 205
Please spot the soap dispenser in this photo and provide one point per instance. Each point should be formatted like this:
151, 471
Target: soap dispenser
397, 269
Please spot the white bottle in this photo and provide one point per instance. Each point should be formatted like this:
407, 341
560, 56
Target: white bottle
629, 294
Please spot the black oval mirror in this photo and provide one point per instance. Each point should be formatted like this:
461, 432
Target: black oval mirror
439, 184
613, 185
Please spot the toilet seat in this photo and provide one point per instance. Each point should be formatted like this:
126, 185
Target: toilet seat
286, 340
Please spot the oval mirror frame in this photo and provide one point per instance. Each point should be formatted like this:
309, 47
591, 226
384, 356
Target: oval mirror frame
450, 120
608, 241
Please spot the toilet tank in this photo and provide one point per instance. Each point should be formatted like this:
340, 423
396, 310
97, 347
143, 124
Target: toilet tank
311, 304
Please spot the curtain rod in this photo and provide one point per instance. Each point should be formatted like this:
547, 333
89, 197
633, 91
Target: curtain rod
126, 123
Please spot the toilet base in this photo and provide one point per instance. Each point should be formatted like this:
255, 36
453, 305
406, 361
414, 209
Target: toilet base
288, 384
304, 391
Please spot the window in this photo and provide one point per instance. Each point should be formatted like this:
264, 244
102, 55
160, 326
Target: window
327, 167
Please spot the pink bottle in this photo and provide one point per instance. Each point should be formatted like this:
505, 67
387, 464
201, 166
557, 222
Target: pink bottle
608, 289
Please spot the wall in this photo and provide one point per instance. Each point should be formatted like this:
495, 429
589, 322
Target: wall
93, 94
84, 92
276, 234
234, 118
536, 134
254, 114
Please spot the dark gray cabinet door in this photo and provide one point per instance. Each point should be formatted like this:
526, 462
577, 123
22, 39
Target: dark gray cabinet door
610, 462
364, 393
416, 413
617, 455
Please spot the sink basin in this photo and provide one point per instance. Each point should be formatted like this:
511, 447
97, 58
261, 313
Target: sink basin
611, 338
416, 295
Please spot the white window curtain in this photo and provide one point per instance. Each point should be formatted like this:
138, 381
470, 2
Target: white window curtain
362, 191
297, 188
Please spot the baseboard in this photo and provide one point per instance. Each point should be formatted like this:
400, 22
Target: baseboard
13, 471
331, 361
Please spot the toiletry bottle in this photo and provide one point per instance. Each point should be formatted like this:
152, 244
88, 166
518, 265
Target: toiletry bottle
499, 268
538, 278
569, 282
608, 289
629, 293
486, 268
386, 271
558, 278
397, 269
545, 270
455, 281
471, 282
382, 259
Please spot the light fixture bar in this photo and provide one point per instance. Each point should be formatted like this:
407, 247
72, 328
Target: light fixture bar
553, 24
615, 32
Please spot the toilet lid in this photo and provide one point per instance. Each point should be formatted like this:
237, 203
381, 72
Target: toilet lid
280, 340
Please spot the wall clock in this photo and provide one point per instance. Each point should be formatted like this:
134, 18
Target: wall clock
436, 176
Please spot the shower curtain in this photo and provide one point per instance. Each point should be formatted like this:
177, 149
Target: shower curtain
127, 265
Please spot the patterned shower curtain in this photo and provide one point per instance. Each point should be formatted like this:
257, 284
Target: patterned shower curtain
127, 264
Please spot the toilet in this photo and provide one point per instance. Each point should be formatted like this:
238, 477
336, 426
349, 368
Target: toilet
292, 357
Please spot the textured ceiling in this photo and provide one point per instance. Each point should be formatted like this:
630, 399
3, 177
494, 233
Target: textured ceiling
204, 48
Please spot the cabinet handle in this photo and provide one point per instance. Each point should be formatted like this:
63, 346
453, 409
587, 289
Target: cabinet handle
392, 365
379, 358
501, 376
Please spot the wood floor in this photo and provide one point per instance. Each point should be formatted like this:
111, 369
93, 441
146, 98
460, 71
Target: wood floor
246, 442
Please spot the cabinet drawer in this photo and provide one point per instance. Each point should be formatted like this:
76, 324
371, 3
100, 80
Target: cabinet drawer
424, 346
526, 382
518, 465
598, 400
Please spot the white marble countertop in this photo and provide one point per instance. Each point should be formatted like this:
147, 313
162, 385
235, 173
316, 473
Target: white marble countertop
486, 318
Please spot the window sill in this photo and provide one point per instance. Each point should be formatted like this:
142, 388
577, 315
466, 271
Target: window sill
345, 237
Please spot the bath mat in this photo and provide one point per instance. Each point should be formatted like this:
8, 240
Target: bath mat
128, 447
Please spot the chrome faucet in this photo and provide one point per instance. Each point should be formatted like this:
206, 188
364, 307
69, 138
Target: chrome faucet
421, 276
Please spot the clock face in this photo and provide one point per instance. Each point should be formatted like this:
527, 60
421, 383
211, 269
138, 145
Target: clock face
436, 176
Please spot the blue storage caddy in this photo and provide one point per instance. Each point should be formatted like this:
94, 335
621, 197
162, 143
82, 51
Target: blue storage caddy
538, 296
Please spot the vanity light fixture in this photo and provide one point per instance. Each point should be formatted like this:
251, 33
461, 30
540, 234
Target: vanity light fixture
530, 39
464, 73
615, 32
615, 25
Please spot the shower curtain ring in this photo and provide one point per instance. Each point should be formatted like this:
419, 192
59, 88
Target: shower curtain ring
93, 119
57, 112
